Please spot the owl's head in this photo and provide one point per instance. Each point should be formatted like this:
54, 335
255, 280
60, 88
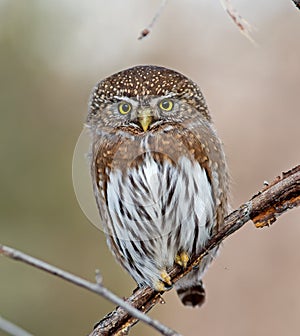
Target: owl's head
143, 97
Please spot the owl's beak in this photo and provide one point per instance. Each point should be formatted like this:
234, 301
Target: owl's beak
145, 118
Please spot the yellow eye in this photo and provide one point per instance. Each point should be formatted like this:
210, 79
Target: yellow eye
124, 108
166, 105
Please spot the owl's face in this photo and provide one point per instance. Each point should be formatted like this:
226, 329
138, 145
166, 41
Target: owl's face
139, 99
143, 114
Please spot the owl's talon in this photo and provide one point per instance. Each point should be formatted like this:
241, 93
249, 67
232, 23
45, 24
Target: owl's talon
161, 286
182, 259
165, 283
178, 260
166, 277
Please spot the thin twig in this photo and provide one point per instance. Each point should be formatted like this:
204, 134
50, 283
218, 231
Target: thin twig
244, 27
145, 32
263, 208
12, 329
297, 3
94, 287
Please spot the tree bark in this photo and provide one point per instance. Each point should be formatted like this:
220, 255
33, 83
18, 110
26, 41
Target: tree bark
263, 209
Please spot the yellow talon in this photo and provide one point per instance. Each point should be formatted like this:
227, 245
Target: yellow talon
178, 260
166, 277
160, 286
165, 283
182, 259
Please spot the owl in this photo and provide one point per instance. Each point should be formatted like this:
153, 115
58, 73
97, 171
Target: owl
159, 175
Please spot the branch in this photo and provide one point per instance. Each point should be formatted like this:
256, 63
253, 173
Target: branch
263, 208
297, 3
244, 27
12, 329
146, 31
94, 287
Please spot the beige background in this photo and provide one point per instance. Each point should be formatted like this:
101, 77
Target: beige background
51, 54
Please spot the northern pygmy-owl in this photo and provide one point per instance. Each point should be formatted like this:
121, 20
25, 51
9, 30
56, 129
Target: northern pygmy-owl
159, 174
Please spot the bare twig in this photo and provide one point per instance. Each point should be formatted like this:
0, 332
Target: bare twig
94, 287
244, 27
239, 21
145, 32
297, 3
12, 329
263, 208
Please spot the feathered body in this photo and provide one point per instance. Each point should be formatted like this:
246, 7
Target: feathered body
159, 174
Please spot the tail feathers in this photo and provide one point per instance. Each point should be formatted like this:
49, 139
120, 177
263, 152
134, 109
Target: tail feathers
192, 296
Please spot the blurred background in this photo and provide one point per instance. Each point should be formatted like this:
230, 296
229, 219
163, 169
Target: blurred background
51, 55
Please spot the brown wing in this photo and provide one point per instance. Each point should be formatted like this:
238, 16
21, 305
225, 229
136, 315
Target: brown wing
209, 152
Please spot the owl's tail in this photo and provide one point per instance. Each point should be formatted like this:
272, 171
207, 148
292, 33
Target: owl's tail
192, 296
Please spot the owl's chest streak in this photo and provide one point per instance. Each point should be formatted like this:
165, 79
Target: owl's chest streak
147, 162
154, 185
156, 196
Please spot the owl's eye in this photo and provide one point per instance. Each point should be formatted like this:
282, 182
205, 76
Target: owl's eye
166, 105
124, 108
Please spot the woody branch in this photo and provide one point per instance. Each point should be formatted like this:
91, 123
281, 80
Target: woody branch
297, 3
263, 209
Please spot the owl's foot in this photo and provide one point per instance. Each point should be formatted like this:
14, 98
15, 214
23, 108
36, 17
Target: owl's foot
165, 283
182, 259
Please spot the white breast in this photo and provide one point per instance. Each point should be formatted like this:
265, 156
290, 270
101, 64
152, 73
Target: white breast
170, 206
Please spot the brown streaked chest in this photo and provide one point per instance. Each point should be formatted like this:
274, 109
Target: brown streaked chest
122, 152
